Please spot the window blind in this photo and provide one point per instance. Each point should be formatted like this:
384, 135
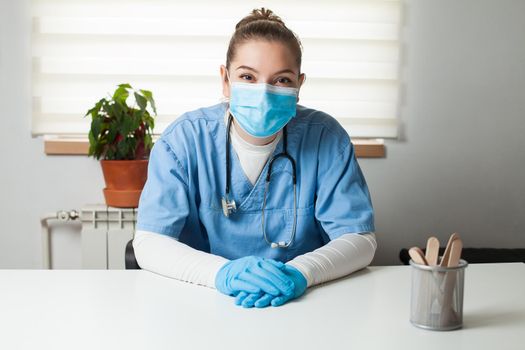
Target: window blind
82, 49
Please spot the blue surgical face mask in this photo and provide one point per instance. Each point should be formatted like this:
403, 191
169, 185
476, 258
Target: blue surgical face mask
262, 109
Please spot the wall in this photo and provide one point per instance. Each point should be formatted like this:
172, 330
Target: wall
461, 163
458, 166
31, 183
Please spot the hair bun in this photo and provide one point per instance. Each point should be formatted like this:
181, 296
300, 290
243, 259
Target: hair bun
262, 14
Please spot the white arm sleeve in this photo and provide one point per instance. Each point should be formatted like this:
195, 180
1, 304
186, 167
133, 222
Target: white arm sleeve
337, 258
167, 256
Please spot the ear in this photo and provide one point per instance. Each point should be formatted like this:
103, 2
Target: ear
302, 78
225, 82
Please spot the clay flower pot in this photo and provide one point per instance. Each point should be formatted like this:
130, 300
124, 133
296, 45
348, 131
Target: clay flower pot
124, 181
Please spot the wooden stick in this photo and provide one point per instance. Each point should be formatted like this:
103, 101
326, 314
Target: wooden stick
446, 255
417, 255
432, 251
448, 314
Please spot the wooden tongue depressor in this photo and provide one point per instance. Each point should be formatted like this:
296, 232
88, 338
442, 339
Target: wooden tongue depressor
448, 313
455, 253
446, 255
432, 251
417, 255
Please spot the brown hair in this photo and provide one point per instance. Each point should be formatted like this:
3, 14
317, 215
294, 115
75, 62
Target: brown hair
263, 24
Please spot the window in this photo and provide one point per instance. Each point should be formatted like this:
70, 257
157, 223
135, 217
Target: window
83, 48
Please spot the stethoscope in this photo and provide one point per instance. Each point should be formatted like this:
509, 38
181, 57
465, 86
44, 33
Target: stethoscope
229, 206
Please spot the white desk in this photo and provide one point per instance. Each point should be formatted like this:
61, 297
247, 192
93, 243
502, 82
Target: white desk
112, 309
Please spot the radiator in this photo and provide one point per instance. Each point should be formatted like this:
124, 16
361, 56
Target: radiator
104, 234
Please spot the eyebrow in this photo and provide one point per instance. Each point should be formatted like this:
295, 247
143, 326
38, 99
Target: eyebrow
255, 70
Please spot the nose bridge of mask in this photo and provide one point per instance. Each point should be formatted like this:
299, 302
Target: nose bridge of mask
281, 90
261, 94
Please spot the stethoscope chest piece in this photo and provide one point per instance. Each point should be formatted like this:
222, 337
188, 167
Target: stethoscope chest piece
228, 206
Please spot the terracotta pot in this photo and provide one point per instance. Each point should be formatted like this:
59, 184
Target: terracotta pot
124, 181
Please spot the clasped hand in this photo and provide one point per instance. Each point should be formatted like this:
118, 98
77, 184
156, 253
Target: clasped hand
260, 282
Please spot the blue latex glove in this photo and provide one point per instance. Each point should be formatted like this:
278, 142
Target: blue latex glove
260, 299
254, 275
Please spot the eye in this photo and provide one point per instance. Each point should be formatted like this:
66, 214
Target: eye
283, 80
247, 77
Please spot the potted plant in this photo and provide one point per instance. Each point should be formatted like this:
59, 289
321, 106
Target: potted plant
120, 134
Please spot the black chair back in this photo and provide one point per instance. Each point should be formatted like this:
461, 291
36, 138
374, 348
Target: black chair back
479, 255
130, 260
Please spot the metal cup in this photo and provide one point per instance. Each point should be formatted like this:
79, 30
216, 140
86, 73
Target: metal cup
436, 301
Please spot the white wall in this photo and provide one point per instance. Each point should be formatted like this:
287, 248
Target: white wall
32, 184
460, 165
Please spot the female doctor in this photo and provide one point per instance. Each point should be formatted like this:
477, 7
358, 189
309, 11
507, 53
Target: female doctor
258, 197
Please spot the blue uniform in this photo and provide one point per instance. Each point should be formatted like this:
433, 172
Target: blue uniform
186, 181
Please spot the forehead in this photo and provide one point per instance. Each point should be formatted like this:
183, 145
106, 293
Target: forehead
264, 56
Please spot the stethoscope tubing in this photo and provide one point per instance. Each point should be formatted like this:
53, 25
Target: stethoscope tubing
283, 154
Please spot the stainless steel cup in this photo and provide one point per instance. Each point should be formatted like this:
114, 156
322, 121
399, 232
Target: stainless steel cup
436, 301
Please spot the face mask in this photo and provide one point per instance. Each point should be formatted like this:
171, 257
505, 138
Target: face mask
262, 109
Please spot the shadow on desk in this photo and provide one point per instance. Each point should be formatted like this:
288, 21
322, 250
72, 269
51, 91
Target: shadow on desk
490, 318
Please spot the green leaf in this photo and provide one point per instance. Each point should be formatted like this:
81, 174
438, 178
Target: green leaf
149, 97
127, 125
95, 127
119, 108
150, 123
108, 110
142, 102
94, 111
92, 144
135, 117
121, 93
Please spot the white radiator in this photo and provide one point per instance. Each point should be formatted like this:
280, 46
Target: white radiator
104, 234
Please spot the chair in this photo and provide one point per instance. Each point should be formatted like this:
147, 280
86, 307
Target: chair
130, 260
479, 255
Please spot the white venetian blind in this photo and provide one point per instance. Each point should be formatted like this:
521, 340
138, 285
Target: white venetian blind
83, 48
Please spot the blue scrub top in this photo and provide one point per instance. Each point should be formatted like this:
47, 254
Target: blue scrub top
186, 181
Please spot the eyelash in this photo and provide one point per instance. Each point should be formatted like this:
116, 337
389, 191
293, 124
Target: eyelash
242, 76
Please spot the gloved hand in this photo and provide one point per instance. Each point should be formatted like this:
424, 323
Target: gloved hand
255, 275
260, 299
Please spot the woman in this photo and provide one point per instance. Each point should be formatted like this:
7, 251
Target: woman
219, 208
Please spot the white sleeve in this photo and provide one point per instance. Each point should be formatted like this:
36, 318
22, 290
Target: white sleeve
167, 256
339, 257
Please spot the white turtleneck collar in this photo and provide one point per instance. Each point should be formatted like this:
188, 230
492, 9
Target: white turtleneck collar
252, 157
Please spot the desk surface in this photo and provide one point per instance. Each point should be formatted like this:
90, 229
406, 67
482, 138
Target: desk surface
115, 309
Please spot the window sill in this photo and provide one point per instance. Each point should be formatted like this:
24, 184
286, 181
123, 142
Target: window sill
364, 148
